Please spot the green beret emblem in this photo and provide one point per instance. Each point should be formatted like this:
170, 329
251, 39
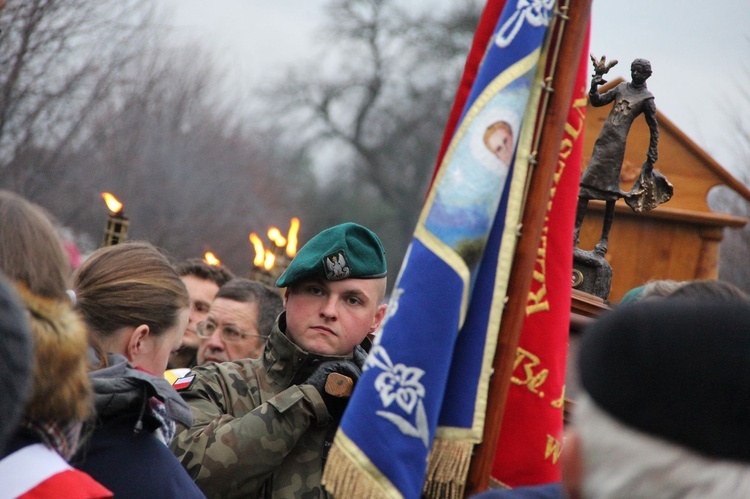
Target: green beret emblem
336, 266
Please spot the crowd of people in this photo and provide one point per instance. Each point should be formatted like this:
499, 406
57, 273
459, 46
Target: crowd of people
133, 375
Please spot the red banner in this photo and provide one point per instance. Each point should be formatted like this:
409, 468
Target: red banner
531, 433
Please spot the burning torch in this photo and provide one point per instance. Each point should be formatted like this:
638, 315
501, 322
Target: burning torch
116, 230
270, 263
211, 259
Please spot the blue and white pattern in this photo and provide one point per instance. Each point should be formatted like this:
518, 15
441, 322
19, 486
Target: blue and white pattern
429, 369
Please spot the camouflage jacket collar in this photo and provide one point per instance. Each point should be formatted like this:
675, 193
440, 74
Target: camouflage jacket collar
287, 363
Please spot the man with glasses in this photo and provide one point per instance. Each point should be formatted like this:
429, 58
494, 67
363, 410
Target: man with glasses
262, 427
239, 321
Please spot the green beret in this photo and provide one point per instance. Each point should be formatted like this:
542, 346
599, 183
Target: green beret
344, 251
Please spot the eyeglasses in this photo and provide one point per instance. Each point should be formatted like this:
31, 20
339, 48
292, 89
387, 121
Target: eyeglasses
228, 333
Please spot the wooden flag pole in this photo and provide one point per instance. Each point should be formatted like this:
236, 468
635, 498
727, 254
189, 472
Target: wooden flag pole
570, 35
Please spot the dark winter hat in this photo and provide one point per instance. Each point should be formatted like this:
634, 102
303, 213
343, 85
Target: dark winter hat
15, 360
675, 370
344, 251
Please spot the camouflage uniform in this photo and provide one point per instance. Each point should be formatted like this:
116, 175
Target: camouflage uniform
256, 431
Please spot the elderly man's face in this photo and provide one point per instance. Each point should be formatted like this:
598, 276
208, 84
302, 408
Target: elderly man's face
233, 332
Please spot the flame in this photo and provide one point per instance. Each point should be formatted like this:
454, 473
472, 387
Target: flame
269, 260
291, 246
211, 259
274, 235
260, 253
112, 203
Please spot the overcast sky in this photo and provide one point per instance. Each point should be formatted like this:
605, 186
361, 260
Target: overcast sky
698, 50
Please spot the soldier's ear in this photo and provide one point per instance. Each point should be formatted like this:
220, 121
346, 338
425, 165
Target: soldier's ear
378, 318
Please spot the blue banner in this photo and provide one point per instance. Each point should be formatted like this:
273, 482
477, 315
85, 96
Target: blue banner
428, 372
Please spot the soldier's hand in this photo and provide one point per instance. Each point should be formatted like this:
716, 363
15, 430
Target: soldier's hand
318, 378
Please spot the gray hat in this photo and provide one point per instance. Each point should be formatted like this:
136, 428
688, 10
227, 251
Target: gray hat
675, 369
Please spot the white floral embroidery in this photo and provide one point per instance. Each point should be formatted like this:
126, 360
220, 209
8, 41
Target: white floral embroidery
400, 383
536, 12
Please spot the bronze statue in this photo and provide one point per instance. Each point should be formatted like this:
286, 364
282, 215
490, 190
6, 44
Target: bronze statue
601, 180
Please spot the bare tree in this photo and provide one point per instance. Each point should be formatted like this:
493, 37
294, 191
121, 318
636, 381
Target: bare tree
735, 247
58, 60
192, 178
92, 100
374, 109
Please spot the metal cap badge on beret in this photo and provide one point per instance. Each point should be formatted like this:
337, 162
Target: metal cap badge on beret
343, 251
674, 369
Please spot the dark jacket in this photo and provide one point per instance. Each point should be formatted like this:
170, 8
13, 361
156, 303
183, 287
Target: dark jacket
546, 491
125, 449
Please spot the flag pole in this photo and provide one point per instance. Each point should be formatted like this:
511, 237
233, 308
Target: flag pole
568, 36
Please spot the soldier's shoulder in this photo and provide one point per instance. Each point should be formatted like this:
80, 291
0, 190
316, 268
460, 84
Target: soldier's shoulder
225, 373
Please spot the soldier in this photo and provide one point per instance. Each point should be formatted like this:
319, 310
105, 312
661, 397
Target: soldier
262, 427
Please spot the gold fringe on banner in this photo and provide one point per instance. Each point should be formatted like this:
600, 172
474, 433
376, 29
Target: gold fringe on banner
348, 473
447, 468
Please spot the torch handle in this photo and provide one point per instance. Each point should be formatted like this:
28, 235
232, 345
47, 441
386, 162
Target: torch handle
339, 385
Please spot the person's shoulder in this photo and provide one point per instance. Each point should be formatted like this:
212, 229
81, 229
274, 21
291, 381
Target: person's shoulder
220, 376
243, 368
172, 375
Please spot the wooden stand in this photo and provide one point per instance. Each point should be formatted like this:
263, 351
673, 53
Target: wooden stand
591, 273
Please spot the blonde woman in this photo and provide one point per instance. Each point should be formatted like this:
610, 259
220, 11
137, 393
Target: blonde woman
33, 463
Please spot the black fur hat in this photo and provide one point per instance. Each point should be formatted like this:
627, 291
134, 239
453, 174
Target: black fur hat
676, 370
